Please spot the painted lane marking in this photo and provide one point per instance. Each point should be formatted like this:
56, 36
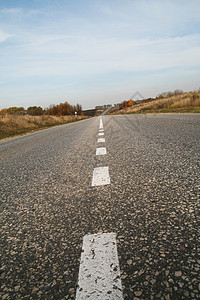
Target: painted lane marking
101, 124
101, 140
101, 130
99, 272
101, 133
101, 151
100, 176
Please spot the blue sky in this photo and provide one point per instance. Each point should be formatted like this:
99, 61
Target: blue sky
96, 51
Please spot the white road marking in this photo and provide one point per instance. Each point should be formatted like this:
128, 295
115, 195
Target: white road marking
100, 176
101, 140
101, 151
101, 124
99, 272
101, 133
101, 130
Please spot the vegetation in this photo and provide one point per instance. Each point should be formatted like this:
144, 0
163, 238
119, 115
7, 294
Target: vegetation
35, 111
64, 109
126, 104
12, 125
61, 109
13, 111
169, 94
176, 101
17, 120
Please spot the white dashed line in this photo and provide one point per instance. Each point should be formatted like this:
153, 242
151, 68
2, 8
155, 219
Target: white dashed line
101, 151
100, 176
101, 124
101, 140
101, 133
99, 272
101, 130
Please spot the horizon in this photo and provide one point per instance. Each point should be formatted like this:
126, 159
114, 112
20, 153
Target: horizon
96, 52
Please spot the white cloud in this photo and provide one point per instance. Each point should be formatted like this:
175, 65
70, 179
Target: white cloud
4, 36
21, 12
10, 11
32, 12
65, 55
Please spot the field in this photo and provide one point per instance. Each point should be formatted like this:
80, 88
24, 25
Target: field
11, 125
186, 102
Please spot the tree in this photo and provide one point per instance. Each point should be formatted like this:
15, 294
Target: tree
63, 109
169, 94
126, 104
78, 109
35, 111
160, 96
13, 110
178, 92
130, 103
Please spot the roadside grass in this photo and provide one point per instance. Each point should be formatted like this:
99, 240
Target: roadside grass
184, 103
12, 125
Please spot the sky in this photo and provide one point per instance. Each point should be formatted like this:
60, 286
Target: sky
95, 52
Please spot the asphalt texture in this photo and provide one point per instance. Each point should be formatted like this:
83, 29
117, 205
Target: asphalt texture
152, 204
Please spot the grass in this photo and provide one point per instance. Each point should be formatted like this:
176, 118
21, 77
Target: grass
12, 125
184, 103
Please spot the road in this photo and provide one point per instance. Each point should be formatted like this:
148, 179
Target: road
106, 111
151, 204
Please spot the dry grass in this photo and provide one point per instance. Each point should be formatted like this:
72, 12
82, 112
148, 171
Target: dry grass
186, 102
11, 125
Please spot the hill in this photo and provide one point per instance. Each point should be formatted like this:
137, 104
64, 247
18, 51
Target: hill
185, 102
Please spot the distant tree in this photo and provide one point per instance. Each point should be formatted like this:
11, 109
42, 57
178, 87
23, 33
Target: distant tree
123, 105
3, 111
130, 103
35, 111
13, 110
63, 109
160, 96
54, 110
78, 108
126, 104
169, 94
20, 111
178, 92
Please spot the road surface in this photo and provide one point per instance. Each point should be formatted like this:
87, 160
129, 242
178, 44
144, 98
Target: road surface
145, 196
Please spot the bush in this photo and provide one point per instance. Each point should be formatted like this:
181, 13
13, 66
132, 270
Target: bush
169, 94
126, 104
64, 109
35, 111
13, 111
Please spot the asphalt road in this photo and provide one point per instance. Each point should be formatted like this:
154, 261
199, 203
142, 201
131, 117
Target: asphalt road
151, 203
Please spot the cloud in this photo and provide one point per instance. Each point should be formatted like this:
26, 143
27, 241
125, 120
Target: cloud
4, 36
10, 11
32, 12
150, 18
62, 55
21, 12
